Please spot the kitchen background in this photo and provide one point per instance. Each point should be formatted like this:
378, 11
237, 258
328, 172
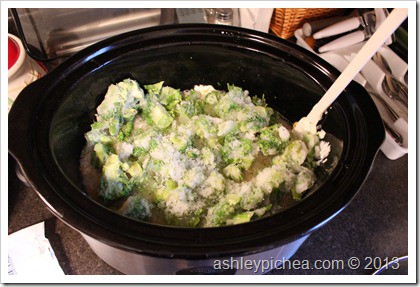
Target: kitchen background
374, 225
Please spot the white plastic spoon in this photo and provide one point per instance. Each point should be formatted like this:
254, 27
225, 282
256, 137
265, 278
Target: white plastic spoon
390, 24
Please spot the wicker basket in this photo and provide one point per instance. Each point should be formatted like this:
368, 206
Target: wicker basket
285, 21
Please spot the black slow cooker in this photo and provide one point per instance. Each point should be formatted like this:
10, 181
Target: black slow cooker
49, 118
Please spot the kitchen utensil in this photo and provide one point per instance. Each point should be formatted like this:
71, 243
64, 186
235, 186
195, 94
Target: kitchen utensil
370, 23
394, 134
391, 23
392, 87
49, 118
393, 114
366, 21
310, 28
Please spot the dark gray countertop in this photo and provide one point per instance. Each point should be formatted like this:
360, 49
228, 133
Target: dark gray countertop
374, 226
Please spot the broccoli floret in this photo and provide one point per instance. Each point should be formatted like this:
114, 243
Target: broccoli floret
238, 151
114, 182
190, 219
252, 199
232, 171
193, 177
303, 181
97, 131
205, 127
270, 142
162, 194
262, 210
154, 89
102, 152
216, 181
185, 110
169, 97
269, 178
181, 141
145, 142
222, 211
136, 207
156, 115
120, 106
226, 108
254, 123
240, 218
228, 127
294, 154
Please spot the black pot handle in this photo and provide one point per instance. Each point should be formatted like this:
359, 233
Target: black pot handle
21, 120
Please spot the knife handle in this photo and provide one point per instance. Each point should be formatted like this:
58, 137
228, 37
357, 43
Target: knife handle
338, 28
345, 41
310, 28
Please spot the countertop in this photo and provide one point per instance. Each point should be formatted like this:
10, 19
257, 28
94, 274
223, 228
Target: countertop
372, 228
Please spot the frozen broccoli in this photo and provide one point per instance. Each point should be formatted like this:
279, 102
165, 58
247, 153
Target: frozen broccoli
185, 110
199, 157
169, 97
294, 154
232, 171
252, 198
270, 142
222, 211
154, 89
205, 127
240, 218
136, 207
181, 141
114, 182
156, 115
303, 181
238, 151
269, 178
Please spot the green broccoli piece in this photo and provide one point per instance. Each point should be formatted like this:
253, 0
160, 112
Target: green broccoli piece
240, 218
269, 141
185, 110
114, 182
222, 211
205, 128
269, 178
190, 219
254, 123
294, 154
232, 171
238, 151
102, 152
154, 89
156, 115
216, 181
120, 105
144, 142
181, 141
227, 108
136, 207
169, 97
162, 194
252, 199
303, 181
262, 210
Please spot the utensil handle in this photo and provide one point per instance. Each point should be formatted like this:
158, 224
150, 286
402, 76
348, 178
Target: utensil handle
338, 28
310, 28
391, 23
345, 41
